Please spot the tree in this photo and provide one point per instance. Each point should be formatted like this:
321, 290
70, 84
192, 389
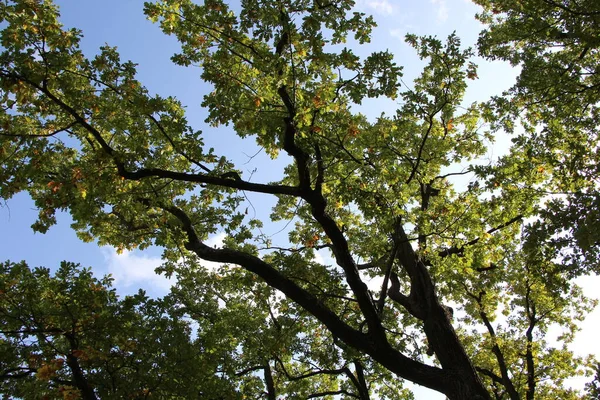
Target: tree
386, 198
593, 387
556, 101
69, 336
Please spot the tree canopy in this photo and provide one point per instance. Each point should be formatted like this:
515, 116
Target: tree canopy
70, 333
448, 271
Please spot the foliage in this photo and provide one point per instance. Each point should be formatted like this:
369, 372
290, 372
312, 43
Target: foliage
593, 387
70, 336
403, 201
556, 100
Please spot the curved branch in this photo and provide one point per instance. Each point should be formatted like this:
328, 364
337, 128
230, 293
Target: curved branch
420, 153
459, 250
505, 381
331, 393
228, 180
403, 366
318, 203
495, 378
305, 375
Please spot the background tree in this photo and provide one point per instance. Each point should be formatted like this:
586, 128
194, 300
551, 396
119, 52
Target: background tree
555, 100
593, 387
384, 197
70, 336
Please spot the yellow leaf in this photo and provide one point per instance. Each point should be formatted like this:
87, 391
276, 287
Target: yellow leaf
48, 371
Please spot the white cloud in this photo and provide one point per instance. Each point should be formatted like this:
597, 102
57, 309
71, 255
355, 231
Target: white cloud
324, 257
383, 7
133, 270
216, 241
442, 10
398, 33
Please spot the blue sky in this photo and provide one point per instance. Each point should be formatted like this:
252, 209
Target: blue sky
121, 23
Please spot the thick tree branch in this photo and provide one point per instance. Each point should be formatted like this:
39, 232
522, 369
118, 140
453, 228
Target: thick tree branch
361, 383
506, 381
79, 379
226, 180
383, 353
33, 331
17, 373
315, 198
424, 304
271, 394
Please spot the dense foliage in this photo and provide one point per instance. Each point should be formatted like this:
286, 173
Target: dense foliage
70, 333
70, 336
448, 272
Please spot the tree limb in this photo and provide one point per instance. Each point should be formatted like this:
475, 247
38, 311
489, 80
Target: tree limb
459, 250
392, 359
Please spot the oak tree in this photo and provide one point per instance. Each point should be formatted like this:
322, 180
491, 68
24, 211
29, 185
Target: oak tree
70, 336
447, 272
